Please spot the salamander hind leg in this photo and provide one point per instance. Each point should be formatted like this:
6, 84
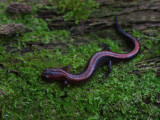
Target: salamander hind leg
109, 68
106, 47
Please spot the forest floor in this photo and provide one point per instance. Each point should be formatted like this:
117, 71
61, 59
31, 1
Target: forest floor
132, 90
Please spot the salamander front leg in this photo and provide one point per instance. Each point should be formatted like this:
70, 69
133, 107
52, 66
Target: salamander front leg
67, 69
105, 47
65, 82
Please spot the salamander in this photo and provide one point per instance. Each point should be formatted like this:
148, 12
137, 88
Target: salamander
98, 59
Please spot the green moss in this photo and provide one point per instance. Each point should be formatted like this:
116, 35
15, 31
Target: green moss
47, 36
118, 96
74, 9
122, 95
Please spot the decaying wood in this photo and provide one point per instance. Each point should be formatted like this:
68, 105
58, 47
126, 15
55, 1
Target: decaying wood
11, 29
137, 14
147, 64
18, 8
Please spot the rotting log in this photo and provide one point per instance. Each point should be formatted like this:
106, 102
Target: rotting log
151, 63
17, 8
11, 29
139, 15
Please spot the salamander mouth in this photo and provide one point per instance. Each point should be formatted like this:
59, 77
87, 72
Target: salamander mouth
44, 75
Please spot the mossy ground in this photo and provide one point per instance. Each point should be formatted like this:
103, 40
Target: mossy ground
122, 95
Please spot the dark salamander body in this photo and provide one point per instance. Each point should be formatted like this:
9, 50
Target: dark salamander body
99, 58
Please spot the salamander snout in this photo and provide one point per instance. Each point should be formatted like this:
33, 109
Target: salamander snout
53, 74
46, 74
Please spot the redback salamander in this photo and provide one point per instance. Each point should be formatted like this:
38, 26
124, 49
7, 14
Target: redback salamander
99, 58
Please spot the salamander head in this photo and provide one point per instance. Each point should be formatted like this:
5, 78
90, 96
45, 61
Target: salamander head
54, 74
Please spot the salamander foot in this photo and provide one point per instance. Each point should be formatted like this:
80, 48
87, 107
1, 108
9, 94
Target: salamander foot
105, 47
66, 68
65, 82
109, 68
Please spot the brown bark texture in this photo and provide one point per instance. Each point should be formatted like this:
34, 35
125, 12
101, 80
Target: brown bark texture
139, 15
